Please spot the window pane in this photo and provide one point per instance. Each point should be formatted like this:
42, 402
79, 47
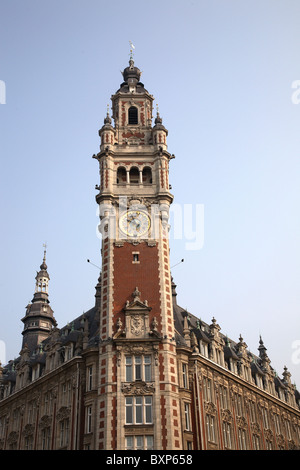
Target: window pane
149, 442
138, 410
128, 404
147, 368
147, 372
128, 369
139, 442
129, 443
138, 371
148, 409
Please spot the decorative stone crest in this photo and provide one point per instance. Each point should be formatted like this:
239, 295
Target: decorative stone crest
136, 318
137, 325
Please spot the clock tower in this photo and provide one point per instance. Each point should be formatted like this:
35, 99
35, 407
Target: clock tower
138, 383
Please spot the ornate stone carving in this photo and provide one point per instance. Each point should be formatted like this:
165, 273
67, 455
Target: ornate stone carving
137, 326
255, 429
13, 437
138, 388
28, 430
136, 317
63, 413
210, 408
227, 416
241, 422
269, 435
45, 421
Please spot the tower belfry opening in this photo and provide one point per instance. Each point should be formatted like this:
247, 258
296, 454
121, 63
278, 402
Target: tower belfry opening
132, 116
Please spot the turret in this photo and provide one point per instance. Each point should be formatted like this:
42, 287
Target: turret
39, 319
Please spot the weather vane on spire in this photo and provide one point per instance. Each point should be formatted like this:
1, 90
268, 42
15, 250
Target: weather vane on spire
45, 249
132, 47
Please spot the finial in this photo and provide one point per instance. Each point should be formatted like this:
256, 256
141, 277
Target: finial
107, 120
158, 119
136, 294
44, 265
131, 50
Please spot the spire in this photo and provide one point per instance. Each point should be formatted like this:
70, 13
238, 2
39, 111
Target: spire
44, 266
158, 119
262, 349
131, 74
107, 120
42, 280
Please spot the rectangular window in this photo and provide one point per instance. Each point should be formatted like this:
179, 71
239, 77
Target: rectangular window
135, 257
64, 433
28, 442
46, 439
242, 439
210, 428
239, 405
252, 411
128, 366
90, 378
288, 430
129, 443
256, 442
138, 410
223, 397
265, 418
277, 424
207, 389
187, 417
139, 442
148, 410
184, 375
129, 410
147, 368
138, 368
64, 394
89, 419
227, 435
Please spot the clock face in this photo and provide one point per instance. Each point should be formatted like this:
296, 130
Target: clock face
135, 223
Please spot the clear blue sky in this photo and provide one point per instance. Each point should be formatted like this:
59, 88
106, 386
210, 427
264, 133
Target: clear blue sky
221, 73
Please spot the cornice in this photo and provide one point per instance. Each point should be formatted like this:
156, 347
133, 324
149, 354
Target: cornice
17, 394
242, 382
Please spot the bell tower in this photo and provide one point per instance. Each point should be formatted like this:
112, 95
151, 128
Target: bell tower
138, 394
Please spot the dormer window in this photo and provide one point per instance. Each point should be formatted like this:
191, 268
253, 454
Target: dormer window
132, 116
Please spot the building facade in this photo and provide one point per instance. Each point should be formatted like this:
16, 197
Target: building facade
137, 371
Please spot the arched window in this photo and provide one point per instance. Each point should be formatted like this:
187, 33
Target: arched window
147, 175
134, 175
132, 115
121, 175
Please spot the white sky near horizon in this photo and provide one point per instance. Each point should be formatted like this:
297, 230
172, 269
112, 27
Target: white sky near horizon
222, 74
